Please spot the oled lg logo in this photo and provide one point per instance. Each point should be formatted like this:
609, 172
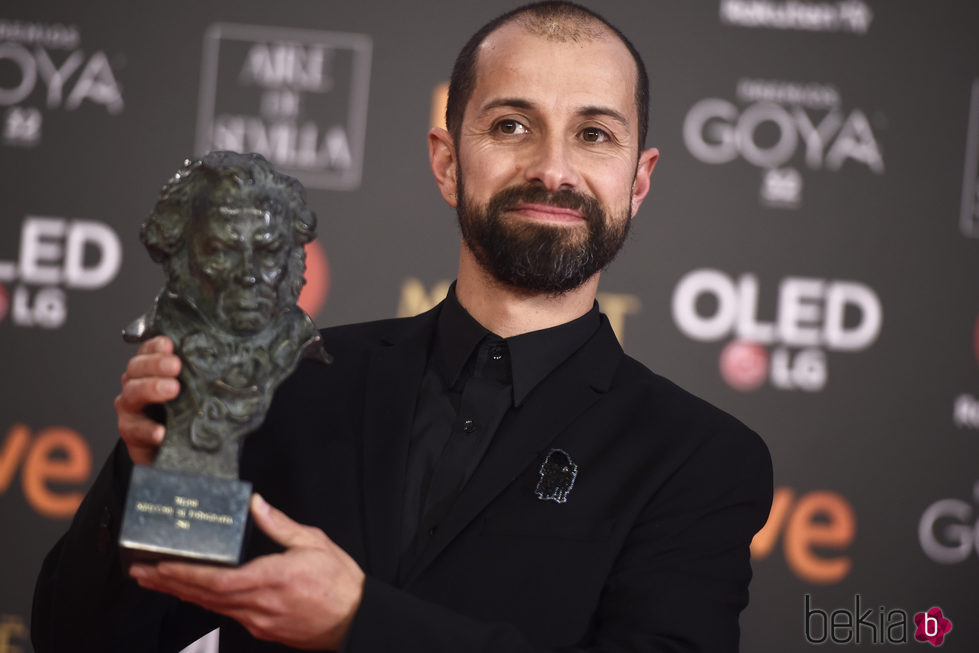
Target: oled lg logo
778, 127
949, 530
880, 626
42, 66
55, 254
811, 317
298, 97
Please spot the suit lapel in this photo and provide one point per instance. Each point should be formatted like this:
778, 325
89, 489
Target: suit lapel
550, 409
394, 374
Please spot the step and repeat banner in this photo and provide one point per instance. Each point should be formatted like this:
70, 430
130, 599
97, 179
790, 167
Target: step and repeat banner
808, 258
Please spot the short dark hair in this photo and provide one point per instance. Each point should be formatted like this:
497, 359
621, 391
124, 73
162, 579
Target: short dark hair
535, 16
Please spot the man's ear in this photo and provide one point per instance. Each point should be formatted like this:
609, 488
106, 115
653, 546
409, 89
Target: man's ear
442, 155
640, 187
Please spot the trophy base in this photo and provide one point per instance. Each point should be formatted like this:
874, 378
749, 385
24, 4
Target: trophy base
175, 516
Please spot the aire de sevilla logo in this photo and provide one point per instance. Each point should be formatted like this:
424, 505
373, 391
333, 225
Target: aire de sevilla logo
314, 293
296, 96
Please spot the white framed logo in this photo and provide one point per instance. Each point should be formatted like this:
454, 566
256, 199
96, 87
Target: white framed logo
296, 96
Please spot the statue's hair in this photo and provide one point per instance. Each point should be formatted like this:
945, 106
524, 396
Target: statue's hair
209, 180
555, 21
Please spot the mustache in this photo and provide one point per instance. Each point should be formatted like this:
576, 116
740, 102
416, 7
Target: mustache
565, 198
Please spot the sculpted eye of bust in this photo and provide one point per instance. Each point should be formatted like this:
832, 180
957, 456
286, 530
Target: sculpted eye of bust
215, 247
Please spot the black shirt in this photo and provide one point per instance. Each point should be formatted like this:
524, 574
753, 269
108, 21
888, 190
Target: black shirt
472, 380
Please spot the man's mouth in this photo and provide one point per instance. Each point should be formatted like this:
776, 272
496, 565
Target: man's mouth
547, 213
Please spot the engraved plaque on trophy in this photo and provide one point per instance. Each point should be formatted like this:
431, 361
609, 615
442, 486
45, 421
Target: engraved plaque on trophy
230, 233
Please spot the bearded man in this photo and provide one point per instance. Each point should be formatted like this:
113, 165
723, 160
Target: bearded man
493, 475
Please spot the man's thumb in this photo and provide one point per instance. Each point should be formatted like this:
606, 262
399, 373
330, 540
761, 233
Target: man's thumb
277, 525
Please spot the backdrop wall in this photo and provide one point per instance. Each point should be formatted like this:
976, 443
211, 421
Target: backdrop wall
807, 259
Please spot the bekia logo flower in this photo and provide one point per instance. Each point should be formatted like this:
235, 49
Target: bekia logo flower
932, 626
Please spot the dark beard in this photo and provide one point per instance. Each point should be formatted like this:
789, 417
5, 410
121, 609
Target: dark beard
540, 257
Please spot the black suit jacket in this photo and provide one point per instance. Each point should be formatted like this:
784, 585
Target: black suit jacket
648, 553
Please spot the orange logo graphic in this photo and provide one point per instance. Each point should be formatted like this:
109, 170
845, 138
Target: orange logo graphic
58, 455
821, 520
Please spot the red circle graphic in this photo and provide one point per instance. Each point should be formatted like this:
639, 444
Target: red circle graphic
744, 365
314, 293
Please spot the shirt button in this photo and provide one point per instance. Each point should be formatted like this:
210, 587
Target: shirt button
496, 353
469, 426
433, 530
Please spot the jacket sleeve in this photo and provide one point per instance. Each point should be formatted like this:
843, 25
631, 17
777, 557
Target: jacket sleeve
83, 600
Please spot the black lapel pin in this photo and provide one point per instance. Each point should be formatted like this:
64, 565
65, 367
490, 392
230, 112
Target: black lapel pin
557, 475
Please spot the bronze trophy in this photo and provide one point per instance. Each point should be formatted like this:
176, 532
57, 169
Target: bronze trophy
229, 232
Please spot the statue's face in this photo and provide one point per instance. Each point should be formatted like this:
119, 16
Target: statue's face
240, 254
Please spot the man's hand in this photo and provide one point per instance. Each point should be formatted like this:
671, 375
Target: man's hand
305, 597
150, 378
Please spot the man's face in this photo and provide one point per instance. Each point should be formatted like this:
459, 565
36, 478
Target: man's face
241, 253
547, 158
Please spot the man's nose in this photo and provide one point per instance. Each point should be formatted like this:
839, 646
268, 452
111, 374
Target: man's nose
551, 165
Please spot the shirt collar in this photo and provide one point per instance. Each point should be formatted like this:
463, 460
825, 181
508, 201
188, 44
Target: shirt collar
533, 356
456, 337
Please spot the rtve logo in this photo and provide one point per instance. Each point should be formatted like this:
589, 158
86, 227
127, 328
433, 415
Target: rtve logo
53, 458
810, 525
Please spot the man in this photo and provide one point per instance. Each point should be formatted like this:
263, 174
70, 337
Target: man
494, 475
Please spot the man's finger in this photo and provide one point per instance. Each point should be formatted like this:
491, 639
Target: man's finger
145, 365
137, 393
277, 525
201, 580
139, 430
216, 598
157, 345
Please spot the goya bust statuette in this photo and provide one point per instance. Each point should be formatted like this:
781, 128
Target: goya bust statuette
229, 231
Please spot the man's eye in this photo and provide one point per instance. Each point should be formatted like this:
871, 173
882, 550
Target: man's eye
594, 135
510, 127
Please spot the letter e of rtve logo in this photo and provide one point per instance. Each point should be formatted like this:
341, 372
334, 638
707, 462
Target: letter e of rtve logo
56, 455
